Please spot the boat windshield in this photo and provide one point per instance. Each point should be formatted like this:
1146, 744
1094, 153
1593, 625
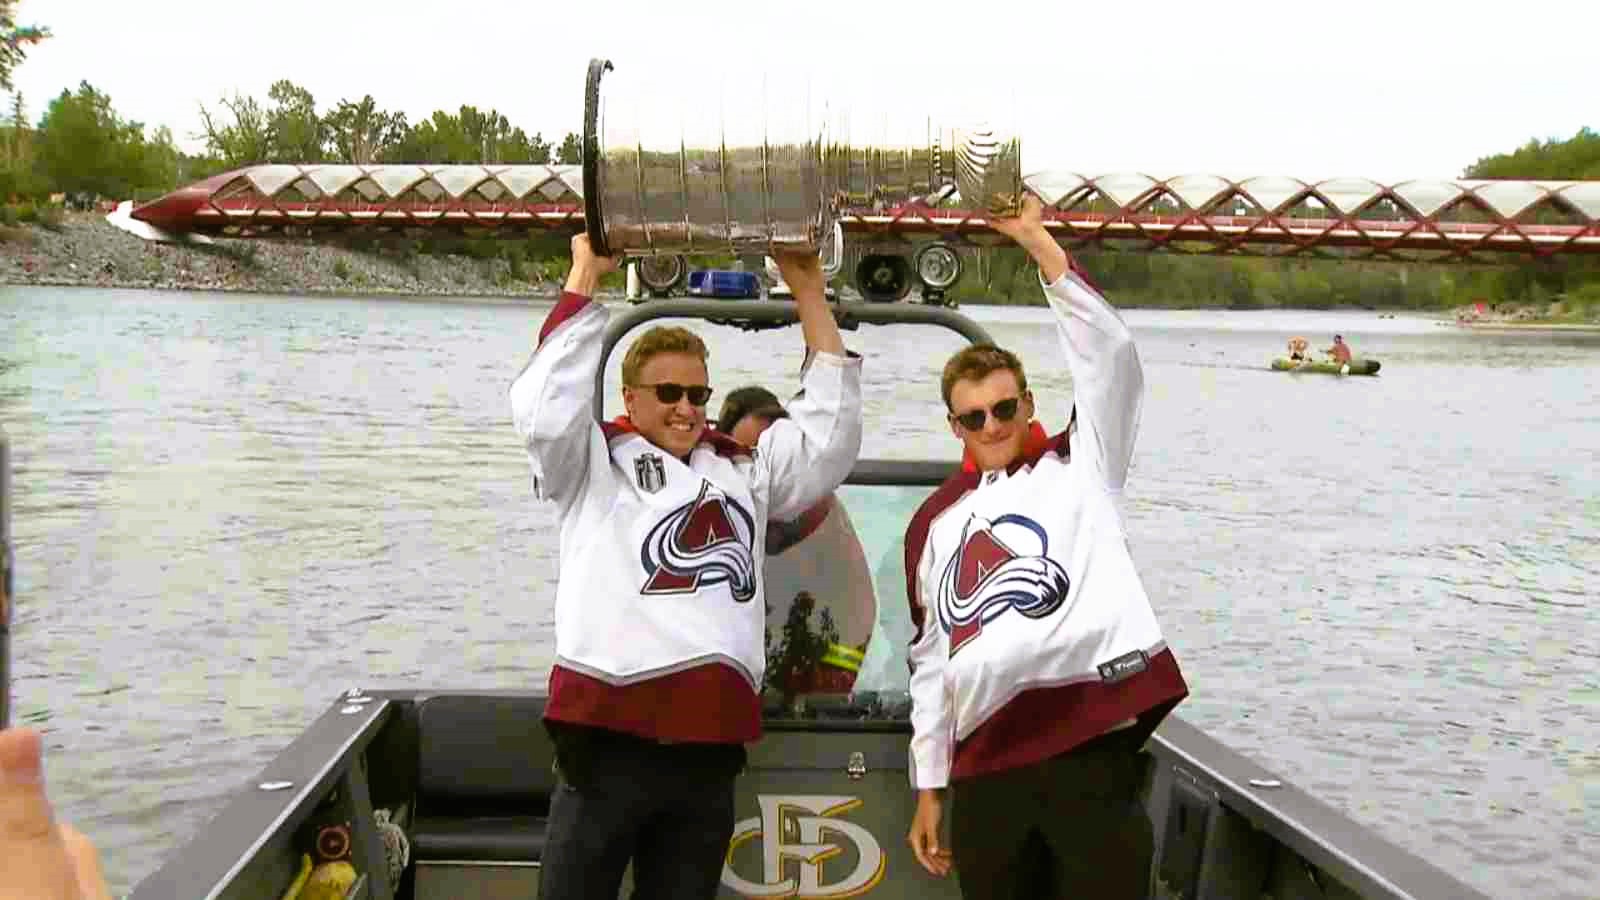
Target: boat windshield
839, 595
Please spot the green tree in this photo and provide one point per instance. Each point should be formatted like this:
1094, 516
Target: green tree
82, 145
520, 149
17, 132
244, 141
198, 168
245, 132
298, 133
1572, 280
436, 139
1577, 158
17, 176
157, 162
487, 133
14, 41
470, 135
571, 152
359, 132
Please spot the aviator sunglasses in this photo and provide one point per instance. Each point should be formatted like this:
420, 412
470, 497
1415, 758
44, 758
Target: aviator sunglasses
1004, 411
670, 393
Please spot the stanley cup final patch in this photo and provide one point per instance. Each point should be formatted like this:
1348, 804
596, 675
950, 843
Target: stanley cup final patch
1125, 666
650, 472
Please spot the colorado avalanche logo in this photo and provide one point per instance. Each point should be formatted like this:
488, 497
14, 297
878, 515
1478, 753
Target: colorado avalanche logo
1001, 565
701, 543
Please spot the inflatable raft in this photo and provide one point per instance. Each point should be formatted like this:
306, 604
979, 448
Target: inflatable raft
1357, 366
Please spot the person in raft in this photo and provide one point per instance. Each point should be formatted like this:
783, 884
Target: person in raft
1340, 351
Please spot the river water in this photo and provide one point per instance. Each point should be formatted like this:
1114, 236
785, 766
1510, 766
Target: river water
231, 507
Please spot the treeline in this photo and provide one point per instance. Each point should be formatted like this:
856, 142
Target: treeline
1006, 277
82, 146
1574, 159
289, 128
1169, 280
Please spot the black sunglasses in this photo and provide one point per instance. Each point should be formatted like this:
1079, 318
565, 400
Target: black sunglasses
667, 392
1004, 411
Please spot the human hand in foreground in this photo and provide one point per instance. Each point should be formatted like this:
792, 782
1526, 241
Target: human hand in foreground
39, 859
1027, 229
924, 836
587, 267
802, 272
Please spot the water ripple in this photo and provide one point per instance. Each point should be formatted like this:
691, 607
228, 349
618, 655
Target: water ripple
229, 508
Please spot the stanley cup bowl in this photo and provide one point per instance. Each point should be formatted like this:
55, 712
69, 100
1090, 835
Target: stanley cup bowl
766, 173
651, 187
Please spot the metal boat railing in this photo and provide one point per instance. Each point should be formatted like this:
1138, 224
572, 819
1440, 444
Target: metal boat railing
246, 848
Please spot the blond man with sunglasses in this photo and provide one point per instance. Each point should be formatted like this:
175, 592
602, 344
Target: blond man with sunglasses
659, 610
1038, 669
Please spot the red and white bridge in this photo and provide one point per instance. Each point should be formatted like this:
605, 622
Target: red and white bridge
1347, 218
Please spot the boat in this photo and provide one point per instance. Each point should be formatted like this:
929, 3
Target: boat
421, 792
1327, 367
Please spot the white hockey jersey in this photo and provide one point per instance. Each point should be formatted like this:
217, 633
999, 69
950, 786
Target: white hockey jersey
1034, 630
659, 607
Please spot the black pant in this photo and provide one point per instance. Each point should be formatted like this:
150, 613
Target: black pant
669, 808
1068, 827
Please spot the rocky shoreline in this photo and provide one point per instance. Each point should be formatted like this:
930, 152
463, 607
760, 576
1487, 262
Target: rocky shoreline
85, 250
1525, 315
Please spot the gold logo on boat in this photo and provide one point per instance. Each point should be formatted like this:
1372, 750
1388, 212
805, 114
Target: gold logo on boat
807, 850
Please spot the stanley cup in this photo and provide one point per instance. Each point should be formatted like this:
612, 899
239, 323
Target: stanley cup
988, 171
765, 174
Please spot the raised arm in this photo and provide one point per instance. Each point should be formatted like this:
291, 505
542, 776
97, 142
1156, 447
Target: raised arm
1107, 378
812, 451
552, 398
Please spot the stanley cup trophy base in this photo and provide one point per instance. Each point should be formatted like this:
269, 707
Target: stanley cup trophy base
676, 237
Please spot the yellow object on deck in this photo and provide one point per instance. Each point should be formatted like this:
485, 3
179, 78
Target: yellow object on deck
841, 656
329, 881
299, 883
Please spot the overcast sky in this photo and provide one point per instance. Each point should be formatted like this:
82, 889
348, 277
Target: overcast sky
1387, 90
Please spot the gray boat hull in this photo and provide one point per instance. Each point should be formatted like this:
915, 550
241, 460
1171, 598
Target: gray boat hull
1225, 827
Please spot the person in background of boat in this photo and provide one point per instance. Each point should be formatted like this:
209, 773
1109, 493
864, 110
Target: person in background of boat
747, 411
1038, 667
659, 612
817, 554
1340, 351
39, 859
1297, 349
